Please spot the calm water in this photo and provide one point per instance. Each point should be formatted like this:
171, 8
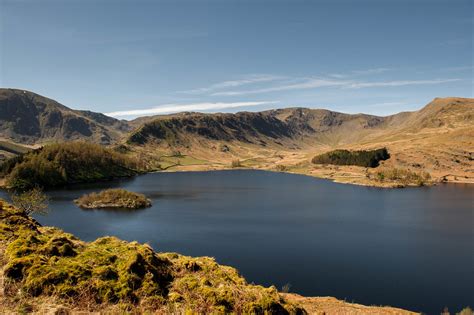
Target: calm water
411, 248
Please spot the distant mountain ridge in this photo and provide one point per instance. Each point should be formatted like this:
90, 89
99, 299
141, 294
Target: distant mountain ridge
26, 117
29, 118
297, 126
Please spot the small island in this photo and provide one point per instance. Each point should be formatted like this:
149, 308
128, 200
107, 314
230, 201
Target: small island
113, 199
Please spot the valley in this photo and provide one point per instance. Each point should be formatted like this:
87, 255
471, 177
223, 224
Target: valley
437, 139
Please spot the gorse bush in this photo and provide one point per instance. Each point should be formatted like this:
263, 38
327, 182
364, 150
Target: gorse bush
369, 158
65, 163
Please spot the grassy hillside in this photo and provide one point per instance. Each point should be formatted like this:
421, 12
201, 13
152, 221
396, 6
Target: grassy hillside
66, 163
436, 139
108, 274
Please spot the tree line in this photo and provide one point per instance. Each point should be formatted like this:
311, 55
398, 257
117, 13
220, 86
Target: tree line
366, 158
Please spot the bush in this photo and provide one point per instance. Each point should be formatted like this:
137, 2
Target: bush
66, 163
281, 168
32, 201
403, 176
236, 163
364, 158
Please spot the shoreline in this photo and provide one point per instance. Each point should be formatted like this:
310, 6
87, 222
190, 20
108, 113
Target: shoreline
347, 180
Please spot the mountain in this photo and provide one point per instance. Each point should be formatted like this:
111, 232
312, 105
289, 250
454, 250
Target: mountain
297, 126
438, 139
290, 126
28, 118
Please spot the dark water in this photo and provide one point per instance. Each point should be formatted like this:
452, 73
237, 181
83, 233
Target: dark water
410, 248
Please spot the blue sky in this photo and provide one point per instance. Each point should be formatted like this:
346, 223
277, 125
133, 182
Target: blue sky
132, 58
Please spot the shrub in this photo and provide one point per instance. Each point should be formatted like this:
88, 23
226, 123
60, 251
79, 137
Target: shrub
32, 201
236, 163
364, 158
403, 176
281, 168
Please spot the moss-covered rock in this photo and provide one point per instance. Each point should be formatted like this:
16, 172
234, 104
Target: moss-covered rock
46, 262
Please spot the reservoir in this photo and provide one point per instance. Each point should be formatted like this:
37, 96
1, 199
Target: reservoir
411, 248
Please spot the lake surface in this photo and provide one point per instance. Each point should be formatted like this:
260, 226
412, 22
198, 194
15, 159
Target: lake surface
411, 248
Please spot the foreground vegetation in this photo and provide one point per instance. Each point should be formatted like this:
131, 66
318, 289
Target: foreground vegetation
66, 163
111, 274
113, 198
364, 158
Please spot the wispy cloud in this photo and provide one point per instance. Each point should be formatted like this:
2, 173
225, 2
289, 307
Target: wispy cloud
235, 83
458, 69
321, 82
307, 84
176, 108
359, 73
359, 85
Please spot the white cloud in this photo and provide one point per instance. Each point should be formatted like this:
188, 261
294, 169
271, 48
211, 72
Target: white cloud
359, 85
317, 83
359, 73
175, 108
308, 84
235, 83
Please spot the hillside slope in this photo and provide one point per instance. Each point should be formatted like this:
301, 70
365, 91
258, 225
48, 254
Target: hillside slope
28, 118
438, 139
281, 126
299, 125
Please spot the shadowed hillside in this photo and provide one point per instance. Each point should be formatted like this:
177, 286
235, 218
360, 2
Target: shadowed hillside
437, 139
298, 126
26, 117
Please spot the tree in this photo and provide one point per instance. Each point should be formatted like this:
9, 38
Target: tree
31, 201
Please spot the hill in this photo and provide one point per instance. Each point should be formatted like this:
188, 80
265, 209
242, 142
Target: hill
437, 139
29, 118
66, 163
